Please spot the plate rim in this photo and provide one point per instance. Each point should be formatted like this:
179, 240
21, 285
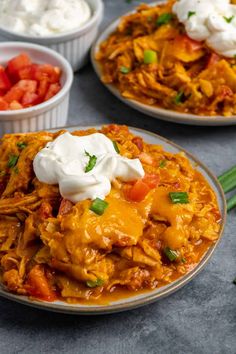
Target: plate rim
150, 296
153, 111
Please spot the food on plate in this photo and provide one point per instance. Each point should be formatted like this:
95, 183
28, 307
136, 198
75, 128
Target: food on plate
24, 84
42, 18
180, 55
97, 215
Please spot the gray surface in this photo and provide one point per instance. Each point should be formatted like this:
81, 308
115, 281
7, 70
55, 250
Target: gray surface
199, 319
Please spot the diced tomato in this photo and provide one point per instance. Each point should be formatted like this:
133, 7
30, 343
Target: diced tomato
212, 60
138, 142
152, 180
52, 91
38, 285
45, 210
48, 71
30, 99
65, 207
14, 105
27, 85
16, 64
145, 158
5, 83
189, 43
43, 87
3, 105
28, 73
138, 192
14, 94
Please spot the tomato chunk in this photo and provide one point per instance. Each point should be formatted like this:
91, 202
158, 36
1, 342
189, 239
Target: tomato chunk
3, 104
152, 180
28, 72
138, 192
43, 87
38, 285
65, 207
30, 99
27, 85
213, 59
16, 64
14, 105
14, 94
48, 71
5, 83
52, 91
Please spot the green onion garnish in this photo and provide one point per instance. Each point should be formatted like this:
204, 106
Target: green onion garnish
94, 284
164, 19
91, 163
12, 161
150, 57
116, 147
16, 170
228, 180
191, 13
171, 254
21, 145
229, 19
162, 164
179, 97
98, 206
124, 70
179, 197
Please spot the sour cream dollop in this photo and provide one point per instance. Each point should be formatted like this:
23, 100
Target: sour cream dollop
213, 21
43, 17
64, 162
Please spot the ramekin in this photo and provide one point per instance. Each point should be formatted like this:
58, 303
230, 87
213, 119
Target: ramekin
50, 114
73, 45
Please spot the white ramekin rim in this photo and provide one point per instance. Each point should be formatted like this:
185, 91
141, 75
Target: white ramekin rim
52, 102
77, 32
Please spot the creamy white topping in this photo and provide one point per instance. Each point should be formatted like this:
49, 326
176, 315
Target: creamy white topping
213, 21
64, 162
43, 17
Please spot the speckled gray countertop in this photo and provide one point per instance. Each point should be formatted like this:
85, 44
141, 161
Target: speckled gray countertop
198, 319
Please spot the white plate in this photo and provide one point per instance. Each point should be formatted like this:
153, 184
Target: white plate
155, 112
148, 297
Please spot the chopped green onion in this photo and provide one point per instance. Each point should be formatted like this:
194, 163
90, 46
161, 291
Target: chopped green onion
179, 98
16, 170
228, 180
171, 254
162, 164
124, 70
91, 163
164, 19
183, 260
179, 197
12, 161
116, 147
229, 19
191, 13
98, 206
150, 57
21, 145
94, 284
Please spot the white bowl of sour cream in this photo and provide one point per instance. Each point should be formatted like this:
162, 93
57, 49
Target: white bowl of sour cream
66, 26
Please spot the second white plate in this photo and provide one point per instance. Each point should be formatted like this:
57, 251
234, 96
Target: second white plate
153, 111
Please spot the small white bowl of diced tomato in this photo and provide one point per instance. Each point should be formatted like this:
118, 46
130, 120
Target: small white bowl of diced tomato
35, 83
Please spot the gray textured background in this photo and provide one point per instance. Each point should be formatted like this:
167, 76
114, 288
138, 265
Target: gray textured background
198, 319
